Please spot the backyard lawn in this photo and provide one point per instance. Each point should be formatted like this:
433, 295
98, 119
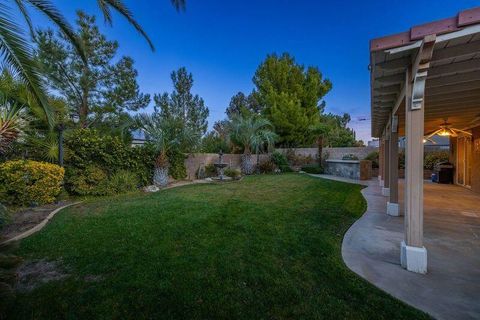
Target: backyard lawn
267, 247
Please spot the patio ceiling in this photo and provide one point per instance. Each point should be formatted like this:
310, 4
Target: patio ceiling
452, 88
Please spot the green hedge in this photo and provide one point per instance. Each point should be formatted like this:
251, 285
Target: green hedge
177, 167
313, 168
91, 158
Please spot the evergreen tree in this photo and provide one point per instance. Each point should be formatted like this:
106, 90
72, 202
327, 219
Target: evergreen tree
242, 104
186, 110
95, 89
290, 96
338, 134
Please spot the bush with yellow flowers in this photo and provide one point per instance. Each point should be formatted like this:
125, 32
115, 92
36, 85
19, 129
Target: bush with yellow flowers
26, 182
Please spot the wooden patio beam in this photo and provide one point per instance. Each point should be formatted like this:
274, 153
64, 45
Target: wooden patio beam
438, 55
457, 67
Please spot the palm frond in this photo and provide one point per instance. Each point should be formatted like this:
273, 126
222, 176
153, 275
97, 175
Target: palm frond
26, 16
11, 123
16, 53
251, 132
120, 7
49, 10
163, 132
179, 4
46, 145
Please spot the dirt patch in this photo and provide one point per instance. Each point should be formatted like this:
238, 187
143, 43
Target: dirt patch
26, 219
32, 274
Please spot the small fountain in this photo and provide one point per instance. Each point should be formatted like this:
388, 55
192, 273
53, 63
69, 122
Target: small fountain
220, 165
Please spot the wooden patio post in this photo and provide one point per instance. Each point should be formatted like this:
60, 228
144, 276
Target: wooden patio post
392, 204
413, 253
386, 165
380, 161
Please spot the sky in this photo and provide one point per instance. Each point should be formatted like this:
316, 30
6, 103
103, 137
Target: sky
222, 43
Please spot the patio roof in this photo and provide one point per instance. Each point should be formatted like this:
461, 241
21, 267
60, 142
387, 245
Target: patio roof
452, 87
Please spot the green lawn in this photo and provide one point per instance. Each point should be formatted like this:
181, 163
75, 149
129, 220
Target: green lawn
268, 247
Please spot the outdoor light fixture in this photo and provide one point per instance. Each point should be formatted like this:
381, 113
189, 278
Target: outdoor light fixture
446, 130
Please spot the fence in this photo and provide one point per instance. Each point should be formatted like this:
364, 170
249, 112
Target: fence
195, 160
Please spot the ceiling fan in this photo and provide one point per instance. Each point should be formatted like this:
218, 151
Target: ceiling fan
475, 120
446, 130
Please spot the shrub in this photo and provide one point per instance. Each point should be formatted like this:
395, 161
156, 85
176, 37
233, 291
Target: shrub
313, 168
266, 166
433, 157
350, 156
86, 147
373, 156
279, 159
210, 170
92, 181
122, 181
298, 160
285, 168
233, 173
177, 167
292, 158
26, 182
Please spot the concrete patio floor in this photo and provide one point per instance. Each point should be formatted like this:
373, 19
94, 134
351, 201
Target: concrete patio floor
451, 288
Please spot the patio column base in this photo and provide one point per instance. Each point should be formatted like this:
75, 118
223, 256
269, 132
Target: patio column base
381, 183
413, 258
385, 192
393, 209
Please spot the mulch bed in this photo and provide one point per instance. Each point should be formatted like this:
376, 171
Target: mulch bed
26, 219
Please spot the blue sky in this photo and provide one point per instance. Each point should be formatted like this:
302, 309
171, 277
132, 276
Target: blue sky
222, 42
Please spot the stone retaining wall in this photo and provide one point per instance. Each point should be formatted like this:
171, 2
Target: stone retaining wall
333, 153
352, 169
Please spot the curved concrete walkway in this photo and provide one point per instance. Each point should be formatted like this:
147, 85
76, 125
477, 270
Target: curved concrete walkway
451, 288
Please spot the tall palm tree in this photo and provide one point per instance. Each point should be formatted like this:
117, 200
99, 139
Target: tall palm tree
15, 48
163, 133
250, 132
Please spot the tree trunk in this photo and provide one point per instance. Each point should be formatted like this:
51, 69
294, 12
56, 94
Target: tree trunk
83, 113
160, 177
320, 149
247, 163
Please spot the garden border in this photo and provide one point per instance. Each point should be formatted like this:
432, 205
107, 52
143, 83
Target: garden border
39, 226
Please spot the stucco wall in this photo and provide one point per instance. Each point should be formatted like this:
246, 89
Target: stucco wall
195, 160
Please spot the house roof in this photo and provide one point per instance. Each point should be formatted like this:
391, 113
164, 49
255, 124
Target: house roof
453, 82
461, 20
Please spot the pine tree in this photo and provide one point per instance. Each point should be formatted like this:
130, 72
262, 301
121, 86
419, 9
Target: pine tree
290, 96
95, 89
182, 107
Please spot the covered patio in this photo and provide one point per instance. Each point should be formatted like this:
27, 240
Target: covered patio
451, 288
425, 81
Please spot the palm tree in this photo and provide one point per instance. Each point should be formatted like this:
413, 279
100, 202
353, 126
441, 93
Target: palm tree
320, 130
250, 132
15, 48
163, 133
12, 123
